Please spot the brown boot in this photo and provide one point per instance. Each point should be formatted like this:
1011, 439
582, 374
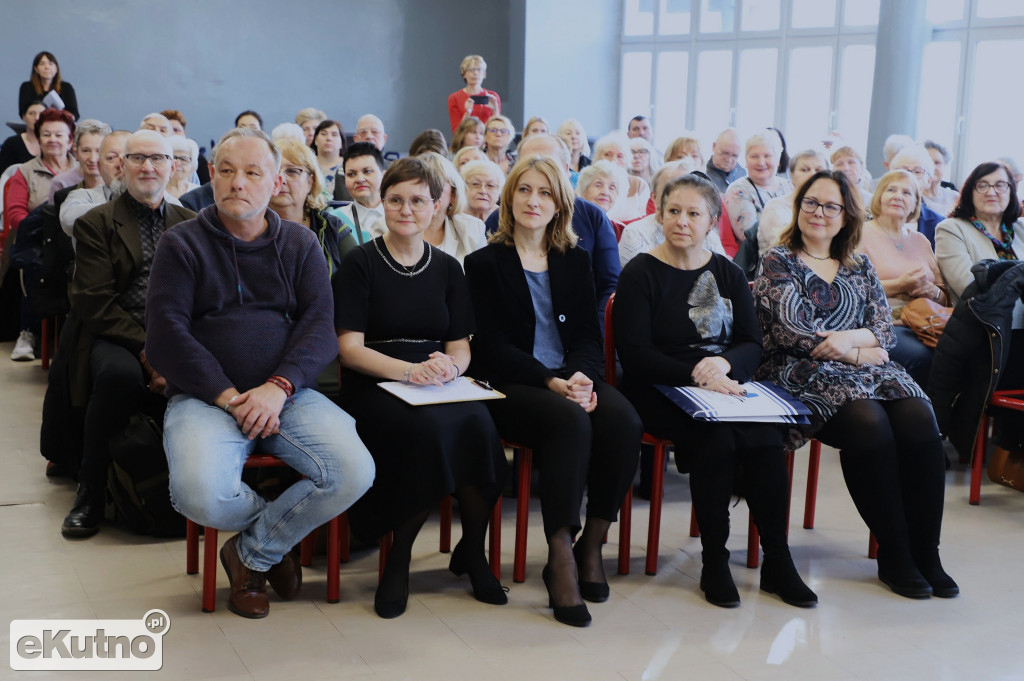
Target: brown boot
286, 577
248, 587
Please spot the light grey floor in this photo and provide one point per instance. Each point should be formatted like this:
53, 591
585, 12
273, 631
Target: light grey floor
651, 628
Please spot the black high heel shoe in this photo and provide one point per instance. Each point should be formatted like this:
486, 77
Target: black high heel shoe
391, 609
486, 587
573, 615
595, 592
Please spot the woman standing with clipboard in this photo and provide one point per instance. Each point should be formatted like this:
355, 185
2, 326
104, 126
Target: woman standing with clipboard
402, 313
685, 315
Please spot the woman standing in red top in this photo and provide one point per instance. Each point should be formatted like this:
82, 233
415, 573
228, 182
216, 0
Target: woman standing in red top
461, 103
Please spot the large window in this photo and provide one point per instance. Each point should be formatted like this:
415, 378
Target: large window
807, 67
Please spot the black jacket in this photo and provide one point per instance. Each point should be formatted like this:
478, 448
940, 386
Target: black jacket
973, 349
505, 322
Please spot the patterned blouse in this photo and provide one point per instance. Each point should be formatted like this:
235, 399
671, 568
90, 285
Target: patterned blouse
792, 304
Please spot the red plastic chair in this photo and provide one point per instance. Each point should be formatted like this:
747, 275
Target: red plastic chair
1007, 399
334, 547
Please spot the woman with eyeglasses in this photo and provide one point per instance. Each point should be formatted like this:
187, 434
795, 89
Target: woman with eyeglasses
452, 230
498, 134
985, 225
473, 100
827, 329
403, 313
301, 200
186, 161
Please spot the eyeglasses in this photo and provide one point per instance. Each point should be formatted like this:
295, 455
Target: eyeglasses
183, 159
916, 172
477, 185
366, 132
475, 69
418, 204
499, 131
294, 173
829, 210
158, 160
1001, 187
640, 152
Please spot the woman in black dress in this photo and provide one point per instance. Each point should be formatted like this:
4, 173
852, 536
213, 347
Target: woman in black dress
684, 315
46, 78
402, 313
538, 340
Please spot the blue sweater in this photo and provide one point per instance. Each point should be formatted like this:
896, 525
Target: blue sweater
597, 238
225, 313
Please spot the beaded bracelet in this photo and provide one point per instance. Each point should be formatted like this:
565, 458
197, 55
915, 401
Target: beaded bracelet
282, 384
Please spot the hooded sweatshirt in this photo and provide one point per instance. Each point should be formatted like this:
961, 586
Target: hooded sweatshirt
222, 312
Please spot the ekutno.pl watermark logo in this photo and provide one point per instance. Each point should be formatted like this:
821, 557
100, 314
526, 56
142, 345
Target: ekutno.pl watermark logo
89, 644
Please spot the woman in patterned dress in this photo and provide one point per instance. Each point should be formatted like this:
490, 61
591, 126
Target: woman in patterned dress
685, 315
827, 328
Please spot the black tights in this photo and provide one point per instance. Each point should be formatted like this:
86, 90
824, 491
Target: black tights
892, 460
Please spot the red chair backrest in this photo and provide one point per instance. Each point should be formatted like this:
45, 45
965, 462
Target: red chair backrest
609, 343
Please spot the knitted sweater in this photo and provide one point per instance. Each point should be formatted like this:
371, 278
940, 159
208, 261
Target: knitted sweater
223, 312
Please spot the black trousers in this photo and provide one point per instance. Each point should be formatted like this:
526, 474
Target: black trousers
118, 391
574, 450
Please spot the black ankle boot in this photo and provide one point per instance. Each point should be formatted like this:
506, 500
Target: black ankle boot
486, 587
717, 585
84, 518
942, 584
779, 577
903, 577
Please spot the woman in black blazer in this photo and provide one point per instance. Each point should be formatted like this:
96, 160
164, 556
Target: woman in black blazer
539, 342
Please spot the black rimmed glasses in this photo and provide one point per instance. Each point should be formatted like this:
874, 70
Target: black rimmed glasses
158, 160
829, 210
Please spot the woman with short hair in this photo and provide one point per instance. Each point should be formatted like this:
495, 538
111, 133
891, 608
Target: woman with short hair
536, 126
452, 230
746, 197
575, 137
44, 79
308, 119
687, 145
468, 155
498, 134
616, 148
186, 161
329, 143
644, 160
430, 140
473, 100
484, 181
940, 196
301, 200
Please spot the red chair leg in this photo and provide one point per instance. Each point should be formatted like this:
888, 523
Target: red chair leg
345, 536
385, 549
446, 524
625, 528
306, 547
334, 560
44, 342
522, 514
872, 546
811, 498
694, 527
753, 544
657, 492
191, 547
495, 540
977, 461
209, 569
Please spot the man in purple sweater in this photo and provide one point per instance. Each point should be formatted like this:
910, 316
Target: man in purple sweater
240, 322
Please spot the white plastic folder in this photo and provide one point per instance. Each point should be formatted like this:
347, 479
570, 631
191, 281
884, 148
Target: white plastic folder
764, 402
462, 389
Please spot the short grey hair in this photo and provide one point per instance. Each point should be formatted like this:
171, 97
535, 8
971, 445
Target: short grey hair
564, 155
613, 139
893, 144
483, 167
179, 143
943, 151
248, 132
915, 154
309, 114
288, 130
91, 126
573, 123
671, 170
766, 138
808, 153
599, 169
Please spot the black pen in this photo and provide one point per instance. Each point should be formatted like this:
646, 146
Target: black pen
483, 384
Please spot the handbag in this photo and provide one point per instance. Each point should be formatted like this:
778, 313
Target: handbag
927, 319
1007, 468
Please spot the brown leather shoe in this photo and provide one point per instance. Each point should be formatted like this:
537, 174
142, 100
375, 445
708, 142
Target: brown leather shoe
286, 577
248, 587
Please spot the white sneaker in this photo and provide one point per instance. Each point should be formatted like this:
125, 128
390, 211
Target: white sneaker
24, 349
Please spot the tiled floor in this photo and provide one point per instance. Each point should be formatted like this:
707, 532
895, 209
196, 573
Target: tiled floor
651, 628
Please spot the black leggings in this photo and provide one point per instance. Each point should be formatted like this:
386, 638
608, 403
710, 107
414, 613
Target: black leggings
574, 450
892, 460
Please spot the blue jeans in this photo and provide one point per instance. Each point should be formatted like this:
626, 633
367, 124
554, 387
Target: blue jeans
206, 451
912, 354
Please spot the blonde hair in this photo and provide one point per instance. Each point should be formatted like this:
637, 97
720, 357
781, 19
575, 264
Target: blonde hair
459, 136
535, 119
679, 146
309, 114
297, 153
468, 61
445, 169
558, 235
883, 183
573, 123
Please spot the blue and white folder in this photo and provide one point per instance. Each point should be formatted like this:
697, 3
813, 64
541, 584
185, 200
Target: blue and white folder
764, 402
